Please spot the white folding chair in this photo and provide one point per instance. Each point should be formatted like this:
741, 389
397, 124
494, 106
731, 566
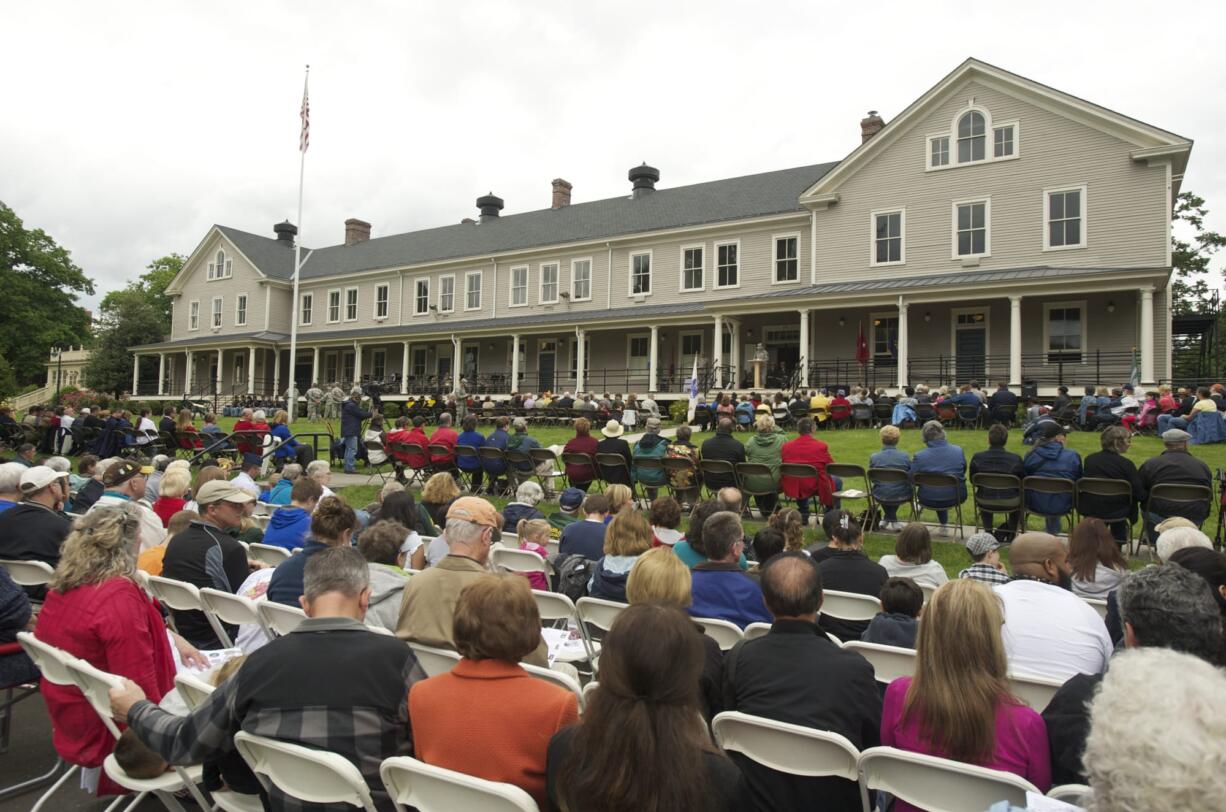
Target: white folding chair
722, 632
521, 561
29, 573
849, 605
788, 748
938, 784
755, 630
555, 607
1075, 794
279, 617
53, 663
559, 679
434, 661
313, 776
192, 689
416, 784
1100, 606
589, 691
234, 609
888, 662
596, 612
1035, 691
270, 554
184, 597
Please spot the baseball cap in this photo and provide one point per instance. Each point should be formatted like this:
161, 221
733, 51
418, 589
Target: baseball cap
219, 490
478, 511
981, 544
571, 499
1175, 436
38, 477
120, 473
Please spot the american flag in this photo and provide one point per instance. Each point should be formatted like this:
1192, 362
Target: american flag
304, 139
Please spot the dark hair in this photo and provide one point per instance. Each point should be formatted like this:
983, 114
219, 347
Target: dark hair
804, 425
1171, 607
1208, 564
419, 421
305, 489
85, 465
637, 745
998, 436
914, 544
698, 517
469, 423
666, 512
400, 507
720, 533
496, 619
844, 528
901, 596
791, 585
331, 518
1091, 544
829, 519
596, 503
380, 543
767, 543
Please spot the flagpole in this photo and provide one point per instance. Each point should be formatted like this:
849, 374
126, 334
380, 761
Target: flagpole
292, 400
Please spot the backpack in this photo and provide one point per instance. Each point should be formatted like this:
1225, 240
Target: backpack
572, 574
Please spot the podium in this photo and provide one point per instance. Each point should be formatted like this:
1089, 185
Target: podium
758, 379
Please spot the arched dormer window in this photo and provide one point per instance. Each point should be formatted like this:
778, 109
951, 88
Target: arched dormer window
967, 140
221, 267
972, 137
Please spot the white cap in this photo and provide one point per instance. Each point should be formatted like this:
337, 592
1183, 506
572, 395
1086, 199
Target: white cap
38, 477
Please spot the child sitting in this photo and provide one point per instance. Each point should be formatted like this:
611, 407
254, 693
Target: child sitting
983, 549
533, 533
898, 621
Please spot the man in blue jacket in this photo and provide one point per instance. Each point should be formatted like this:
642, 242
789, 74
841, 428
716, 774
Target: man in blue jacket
496, 469
940, 457
720, 590
1050, 458
352, 415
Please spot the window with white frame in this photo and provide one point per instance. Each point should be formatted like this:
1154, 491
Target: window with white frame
549, 283
888, 237
787, 259
519, 286
217, 309
1064, 329
382, 296
334, 306
1064, 213
193, 316
421, 297
885, 339
446, 294
221, 267
938, 151
727, 265
240, 310
580, 280
351, 304
971, 224
691, 267
638, 353
1002, 141
472, 290
972, 137
330, 367
308, 306
378, 364
640, 274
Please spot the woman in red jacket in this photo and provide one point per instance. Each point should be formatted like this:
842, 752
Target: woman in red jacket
807, 450
581, 476
96, 611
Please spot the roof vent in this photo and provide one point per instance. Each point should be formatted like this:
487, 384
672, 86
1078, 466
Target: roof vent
643, 179
489, 205
286, 231
870, 125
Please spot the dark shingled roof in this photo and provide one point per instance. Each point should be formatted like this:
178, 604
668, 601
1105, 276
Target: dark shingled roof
713, 202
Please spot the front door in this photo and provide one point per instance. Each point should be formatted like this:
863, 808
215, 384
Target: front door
545, 361
970, 350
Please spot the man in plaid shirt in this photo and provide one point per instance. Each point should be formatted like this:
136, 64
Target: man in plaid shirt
332, 684
987, 566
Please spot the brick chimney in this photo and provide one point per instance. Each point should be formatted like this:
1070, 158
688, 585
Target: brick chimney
561, 193
870, 125
356, 231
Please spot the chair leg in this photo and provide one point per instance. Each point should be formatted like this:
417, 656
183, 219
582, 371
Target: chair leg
46, 795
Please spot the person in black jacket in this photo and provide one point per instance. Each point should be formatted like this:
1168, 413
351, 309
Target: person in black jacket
34, 528
996, 460
1110, 463
1001, 400
614, 444
848, 569
796, 674
1175, 465
723, 446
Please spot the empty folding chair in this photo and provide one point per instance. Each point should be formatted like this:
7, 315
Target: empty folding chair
304, 773
279, 618
433, 660
414, 784
936, 783
888, 662
854, 478
724, 633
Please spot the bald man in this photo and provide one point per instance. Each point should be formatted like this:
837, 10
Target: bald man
1049, 631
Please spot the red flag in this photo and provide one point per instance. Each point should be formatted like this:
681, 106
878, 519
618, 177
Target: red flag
861, 346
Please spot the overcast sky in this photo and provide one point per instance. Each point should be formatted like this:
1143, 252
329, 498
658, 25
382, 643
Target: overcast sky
128, 128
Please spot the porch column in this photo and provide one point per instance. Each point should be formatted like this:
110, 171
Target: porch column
902, 342
276, 372
251, 370
514, 362
187, 374
135, 372
455, 364
221, 372
404, 368
653, 365
314, 365
717, 354
357, 363
1147, 335
580, 359
161, 373
734, 360
1015, 341
804, 347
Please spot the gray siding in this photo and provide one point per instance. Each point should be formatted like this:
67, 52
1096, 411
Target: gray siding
197, 286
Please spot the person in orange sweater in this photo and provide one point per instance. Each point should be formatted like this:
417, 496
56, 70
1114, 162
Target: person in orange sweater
488, 717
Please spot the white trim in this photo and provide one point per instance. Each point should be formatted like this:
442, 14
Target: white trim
715, 285
1017, 140
631, 336
467, 289
987, 227
774, 272
591, 270
217, 313
417, 280
902, 237
357, 300
306, 294
989, 148
1047, 193
540, 282
954, 312
245, 299
442, 293
193, 315
1085, 326
651, 284
527, 269
955, 137
386, 287
340, 307
681, 287
928, 164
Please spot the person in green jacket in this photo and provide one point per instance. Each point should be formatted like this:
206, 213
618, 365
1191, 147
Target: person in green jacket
765, 447
651, 446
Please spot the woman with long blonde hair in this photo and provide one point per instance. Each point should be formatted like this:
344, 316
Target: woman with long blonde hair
958, 704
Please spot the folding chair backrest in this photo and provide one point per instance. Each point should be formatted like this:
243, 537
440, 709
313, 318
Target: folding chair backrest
997, 482
540, 455
722, 632
1049, 484
1035, 691
717, 467
589, 691
598, 612
797, 470
313, 776
96, 685
52, 662
557, 678
438, 450
1076, 794
615, 462
512, 560
232, 609
516, 459
1099, 605
585, 461
1180, 492
756, 630
846, 470
434, 661
29, 573
849, 605
425, 787
788, 748
553, 606
280, 618
940, 784
888, 662
178, 595
888, 476
193, 690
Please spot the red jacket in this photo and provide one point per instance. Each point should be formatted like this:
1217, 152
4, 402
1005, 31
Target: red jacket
116, 628
245, 447
444, 435
418, 436
807, 450
580, 445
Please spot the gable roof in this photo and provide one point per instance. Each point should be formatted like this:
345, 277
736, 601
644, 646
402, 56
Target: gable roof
1146, 137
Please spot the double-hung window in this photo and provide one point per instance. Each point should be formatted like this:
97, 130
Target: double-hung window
216, 312
888, 237
1064, 213
519, 286
351, 304
446, 294
381, 301
240, 310
193, 316
972, 222
308, 305
691, 267
472, 290
549, 283
421, 297
334, 306
787, 259
580, 280
640, 274
1064, 329
727, 265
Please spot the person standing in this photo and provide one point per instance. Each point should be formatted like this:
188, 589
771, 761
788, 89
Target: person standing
352, 415
314, 399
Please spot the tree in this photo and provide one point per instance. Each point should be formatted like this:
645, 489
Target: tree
137, 314
39, 286
1193, 286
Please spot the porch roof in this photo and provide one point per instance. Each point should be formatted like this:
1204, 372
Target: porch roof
245, 339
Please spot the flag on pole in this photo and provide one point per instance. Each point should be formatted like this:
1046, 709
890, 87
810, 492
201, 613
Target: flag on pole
1134, 377
693, 389
304, 139
861, 346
